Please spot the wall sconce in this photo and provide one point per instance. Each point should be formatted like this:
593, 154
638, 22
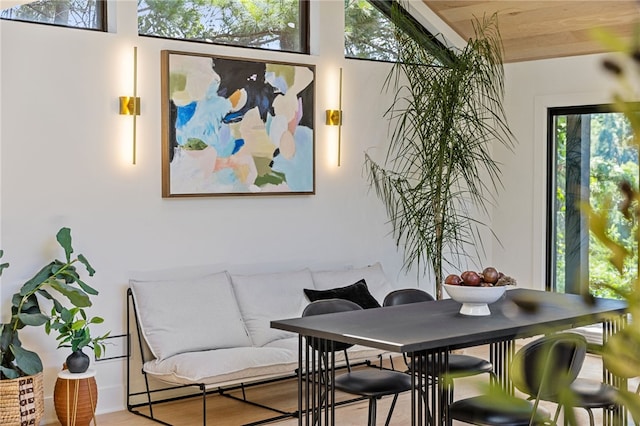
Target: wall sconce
334, 118
130, 105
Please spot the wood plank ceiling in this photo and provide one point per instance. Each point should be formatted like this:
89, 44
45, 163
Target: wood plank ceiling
532, 29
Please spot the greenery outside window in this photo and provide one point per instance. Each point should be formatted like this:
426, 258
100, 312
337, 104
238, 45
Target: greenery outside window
84, 14
368, 33
371, 28
589, 157
263, 24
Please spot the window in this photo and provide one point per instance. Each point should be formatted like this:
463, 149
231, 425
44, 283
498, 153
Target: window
371, 31
85, 14
368, 33
590, 155
265, 24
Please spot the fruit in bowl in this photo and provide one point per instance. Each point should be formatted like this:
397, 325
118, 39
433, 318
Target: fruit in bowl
471, 278
476, 290
489, 277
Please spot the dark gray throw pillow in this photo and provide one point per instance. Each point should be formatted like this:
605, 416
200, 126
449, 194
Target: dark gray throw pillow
357, 293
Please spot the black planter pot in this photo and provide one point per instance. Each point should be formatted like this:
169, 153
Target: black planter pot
78, 362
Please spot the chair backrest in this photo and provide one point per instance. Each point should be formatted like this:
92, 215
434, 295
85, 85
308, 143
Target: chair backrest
548, 365
405, 296
330, 306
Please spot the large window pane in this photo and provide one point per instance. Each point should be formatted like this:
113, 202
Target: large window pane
368, 33
265, 24
590, 156
86, 14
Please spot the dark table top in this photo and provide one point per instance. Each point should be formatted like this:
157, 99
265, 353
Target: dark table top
438, 324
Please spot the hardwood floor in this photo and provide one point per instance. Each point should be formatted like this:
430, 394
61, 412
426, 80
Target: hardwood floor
227, 412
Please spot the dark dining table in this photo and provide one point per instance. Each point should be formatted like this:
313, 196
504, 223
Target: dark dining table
435, 329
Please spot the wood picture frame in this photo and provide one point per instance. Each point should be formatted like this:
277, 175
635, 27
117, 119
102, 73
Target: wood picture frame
233, 126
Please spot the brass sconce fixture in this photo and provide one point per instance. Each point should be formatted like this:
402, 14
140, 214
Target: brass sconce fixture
334, 118
130, 105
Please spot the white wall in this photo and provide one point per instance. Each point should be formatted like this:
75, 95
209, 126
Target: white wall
65, 162
519, 220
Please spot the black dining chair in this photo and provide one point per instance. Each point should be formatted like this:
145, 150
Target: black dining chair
370, 383
544, 370
588, 395
592, 395
460, 365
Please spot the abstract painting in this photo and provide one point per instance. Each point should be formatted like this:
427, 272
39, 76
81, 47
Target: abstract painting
236, 126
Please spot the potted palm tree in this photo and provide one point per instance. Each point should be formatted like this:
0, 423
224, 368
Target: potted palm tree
439, 171
20, 368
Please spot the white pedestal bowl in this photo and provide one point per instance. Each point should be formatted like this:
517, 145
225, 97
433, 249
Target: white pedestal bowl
475, 300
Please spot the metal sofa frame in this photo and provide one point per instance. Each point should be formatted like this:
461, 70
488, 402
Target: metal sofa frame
154, 396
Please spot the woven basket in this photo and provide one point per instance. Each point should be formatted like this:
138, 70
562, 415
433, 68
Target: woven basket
21, 401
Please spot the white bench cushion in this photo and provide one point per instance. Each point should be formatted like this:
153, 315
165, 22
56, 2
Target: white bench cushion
222, 367
263, 298
226, 367
186, 315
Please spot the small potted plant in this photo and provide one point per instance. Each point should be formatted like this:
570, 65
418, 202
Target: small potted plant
73, 330
21, 368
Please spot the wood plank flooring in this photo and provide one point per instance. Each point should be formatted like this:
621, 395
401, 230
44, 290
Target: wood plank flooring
227, 412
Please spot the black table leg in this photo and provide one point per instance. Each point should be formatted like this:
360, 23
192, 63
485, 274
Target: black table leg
419, 392
501, 355
431, 390
617, 416
316, 372
303, 377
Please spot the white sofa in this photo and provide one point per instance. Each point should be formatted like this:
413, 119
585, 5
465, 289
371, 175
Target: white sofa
213, 330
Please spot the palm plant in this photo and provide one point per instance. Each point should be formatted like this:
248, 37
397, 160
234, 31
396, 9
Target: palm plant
439, 172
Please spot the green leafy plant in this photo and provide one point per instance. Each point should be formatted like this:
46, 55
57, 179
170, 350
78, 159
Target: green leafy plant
621, 353
60, 276
447, 114
73, 330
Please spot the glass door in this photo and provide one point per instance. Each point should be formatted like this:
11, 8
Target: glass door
590, 155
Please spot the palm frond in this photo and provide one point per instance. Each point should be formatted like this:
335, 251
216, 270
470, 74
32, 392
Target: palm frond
439, 171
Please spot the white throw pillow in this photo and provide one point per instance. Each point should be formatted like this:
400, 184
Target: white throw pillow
377, 282
266, 297
194, 314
